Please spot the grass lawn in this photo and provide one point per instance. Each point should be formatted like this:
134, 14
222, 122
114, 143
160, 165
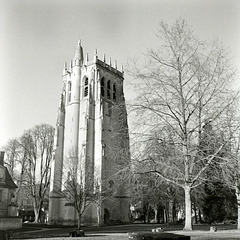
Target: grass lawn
206, 235
119, 232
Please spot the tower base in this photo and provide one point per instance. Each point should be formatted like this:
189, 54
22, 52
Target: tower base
112, 211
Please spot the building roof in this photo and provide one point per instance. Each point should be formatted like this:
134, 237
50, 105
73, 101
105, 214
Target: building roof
8, 181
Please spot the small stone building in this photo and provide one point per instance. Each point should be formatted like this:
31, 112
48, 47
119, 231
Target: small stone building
8, 208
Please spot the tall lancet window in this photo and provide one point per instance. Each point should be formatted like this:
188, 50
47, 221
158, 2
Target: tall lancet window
102, 86
86, 87
108, 89
114, 92
69, 91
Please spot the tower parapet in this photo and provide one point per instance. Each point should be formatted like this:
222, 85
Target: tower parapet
110, 68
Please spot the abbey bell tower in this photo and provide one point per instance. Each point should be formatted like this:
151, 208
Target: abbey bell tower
91, 132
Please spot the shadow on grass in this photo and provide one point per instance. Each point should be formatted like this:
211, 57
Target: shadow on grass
96, 235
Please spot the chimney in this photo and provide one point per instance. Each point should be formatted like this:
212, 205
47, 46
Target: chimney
1, 158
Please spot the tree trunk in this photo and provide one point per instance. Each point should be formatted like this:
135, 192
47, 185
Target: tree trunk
238, 206
200, 216
156, 215
188, 208
37, 215
37, 210
148, 213
165, 220
145, 209
79, 221
170, 211
195, 213
98, 214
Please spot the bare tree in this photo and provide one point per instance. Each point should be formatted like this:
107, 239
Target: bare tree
37, 145
16, 163
77, 187
78, 195
183, 85
12, 154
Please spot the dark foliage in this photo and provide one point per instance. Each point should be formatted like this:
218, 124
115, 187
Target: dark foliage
219, 203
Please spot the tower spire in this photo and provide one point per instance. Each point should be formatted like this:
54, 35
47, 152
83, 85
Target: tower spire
78, 58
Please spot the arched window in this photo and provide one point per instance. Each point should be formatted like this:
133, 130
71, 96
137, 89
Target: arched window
102, 87
69, 91
86, 87
108, 89
114, 92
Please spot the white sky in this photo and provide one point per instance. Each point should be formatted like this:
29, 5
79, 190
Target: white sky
38, 36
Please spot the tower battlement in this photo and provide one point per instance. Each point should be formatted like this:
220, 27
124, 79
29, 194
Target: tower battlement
110, 68
102, 63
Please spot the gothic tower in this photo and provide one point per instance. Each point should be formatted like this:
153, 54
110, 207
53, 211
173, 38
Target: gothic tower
92, 133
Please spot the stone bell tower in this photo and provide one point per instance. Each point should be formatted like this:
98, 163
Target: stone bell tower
92, 132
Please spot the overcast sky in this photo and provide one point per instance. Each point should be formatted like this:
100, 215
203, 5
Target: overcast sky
38, 36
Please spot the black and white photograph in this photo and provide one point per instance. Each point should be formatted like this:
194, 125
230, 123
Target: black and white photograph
120, 119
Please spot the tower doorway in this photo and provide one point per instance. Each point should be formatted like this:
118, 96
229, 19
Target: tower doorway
106, 216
